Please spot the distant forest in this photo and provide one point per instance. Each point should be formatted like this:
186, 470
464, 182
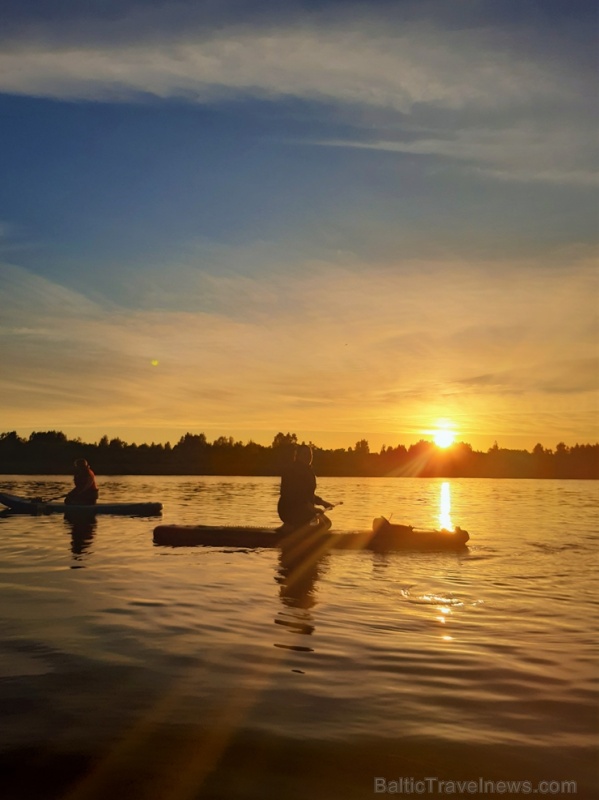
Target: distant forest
51, 453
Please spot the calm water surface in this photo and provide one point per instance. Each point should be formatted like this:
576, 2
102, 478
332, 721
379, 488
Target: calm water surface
128, 669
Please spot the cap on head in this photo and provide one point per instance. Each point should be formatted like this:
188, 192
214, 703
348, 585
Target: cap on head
81, 462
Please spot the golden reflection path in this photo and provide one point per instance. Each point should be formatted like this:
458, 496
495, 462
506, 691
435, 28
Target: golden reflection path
445, 507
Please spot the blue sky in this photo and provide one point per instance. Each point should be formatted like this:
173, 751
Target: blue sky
345, 220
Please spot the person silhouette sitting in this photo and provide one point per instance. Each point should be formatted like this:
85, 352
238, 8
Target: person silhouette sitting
85, 492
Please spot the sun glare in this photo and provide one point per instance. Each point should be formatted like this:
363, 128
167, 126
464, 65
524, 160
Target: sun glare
443, 438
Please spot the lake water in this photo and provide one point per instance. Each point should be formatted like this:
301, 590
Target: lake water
137, 671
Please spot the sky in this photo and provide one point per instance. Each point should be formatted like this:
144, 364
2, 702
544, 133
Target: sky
343, 220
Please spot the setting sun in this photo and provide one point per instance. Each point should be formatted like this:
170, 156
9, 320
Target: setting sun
443, 438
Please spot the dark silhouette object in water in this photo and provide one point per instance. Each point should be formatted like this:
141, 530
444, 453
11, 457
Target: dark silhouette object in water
298, 498
85, 492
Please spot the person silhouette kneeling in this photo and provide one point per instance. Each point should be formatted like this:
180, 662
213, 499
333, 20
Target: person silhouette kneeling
298, 500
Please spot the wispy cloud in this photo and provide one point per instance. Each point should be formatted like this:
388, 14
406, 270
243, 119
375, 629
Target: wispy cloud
522, 113
361, 290
362, 349
518, 150
347, 63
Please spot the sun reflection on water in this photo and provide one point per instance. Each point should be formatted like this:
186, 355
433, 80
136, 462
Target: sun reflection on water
445, 507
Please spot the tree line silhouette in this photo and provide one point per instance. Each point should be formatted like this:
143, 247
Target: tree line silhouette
51, 453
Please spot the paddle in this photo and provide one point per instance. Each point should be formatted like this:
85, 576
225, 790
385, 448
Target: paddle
330, 507
49, 500
323, 513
